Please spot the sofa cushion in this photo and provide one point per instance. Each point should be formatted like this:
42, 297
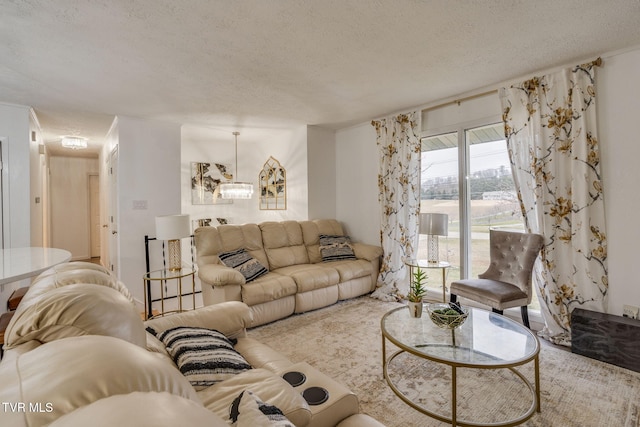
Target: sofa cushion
141, 409
52, 279
368, 252
247, 236
309, 277
211, 241
229, 317
269, 287
220, 275
243, 262
154, 345
335, 248
311, 231
261, 355
352, 269
72, 265
247, 410
283, 244
73, 310
74, 372
204, 356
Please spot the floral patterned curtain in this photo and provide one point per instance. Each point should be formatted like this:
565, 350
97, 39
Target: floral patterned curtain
399, 184
550, 126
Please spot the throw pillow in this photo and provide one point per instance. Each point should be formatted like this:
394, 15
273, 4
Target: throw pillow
247, 410
242, 261
336, 248
203, 356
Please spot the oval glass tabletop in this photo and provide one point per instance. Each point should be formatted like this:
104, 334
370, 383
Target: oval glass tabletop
484, 339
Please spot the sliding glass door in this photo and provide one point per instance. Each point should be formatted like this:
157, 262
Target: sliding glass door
492, 199
466, 174
439, 193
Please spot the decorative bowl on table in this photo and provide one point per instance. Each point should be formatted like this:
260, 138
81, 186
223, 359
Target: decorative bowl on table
447, 315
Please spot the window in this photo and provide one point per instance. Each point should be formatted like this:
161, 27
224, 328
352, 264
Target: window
466, 174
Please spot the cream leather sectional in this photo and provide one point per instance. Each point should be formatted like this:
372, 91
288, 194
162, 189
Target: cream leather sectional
298, 280
77, 354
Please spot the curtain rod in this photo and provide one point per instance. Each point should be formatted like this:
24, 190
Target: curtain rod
461, 100
596, 62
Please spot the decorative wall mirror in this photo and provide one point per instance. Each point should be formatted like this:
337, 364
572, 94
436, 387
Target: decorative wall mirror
273, 186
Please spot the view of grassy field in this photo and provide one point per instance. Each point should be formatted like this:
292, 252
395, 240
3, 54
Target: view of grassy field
485, 214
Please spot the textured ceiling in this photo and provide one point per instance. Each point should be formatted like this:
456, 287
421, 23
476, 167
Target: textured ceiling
267, 64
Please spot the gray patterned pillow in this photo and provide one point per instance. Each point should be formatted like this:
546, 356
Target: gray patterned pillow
242, 261
335, 248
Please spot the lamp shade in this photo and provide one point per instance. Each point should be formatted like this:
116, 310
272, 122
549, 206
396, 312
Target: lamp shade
434, 224
172, 227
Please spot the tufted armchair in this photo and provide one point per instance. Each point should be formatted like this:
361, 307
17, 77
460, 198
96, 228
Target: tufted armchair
507, 281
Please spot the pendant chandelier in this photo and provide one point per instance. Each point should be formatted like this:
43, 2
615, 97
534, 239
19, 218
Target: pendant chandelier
236, 189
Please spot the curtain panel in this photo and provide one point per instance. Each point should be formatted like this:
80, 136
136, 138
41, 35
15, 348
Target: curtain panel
399, 196
550, 126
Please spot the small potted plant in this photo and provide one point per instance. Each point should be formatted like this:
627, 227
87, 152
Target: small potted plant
417, 291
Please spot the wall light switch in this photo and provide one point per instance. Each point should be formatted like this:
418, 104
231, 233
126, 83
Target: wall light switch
140, 205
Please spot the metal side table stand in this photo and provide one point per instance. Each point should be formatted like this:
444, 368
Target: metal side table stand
161, 277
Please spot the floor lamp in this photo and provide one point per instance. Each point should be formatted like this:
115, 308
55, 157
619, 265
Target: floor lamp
433, 225
173, 228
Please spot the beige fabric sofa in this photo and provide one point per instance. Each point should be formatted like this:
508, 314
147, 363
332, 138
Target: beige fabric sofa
77, 354
298, 279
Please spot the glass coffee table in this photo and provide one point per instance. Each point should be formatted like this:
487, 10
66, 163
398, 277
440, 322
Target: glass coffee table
485, 341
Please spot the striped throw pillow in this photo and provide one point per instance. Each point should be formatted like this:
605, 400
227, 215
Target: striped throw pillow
335, 248
203, 356
242, 261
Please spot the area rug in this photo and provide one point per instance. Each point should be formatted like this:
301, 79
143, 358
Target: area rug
344, 341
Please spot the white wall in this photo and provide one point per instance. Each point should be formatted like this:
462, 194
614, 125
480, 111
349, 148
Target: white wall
14, 126
69, 190
618, 105
149, 171
209, 145
37, 168
472, 112
16, 191
321, 163
357, 205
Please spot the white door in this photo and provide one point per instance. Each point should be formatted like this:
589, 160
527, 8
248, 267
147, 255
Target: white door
114, 247
94, 215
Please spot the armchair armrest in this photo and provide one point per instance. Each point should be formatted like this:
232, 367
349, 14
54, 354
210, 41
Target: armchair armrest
231, 318
365, 251
220, 275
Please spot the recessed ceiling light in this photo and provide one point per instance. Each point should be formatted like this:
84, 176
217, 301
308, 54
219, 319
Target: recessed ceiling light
74, 142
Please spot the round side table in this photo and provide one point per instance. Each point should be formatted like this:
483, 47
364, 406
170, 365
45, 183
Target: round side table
161, 277
423, 263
